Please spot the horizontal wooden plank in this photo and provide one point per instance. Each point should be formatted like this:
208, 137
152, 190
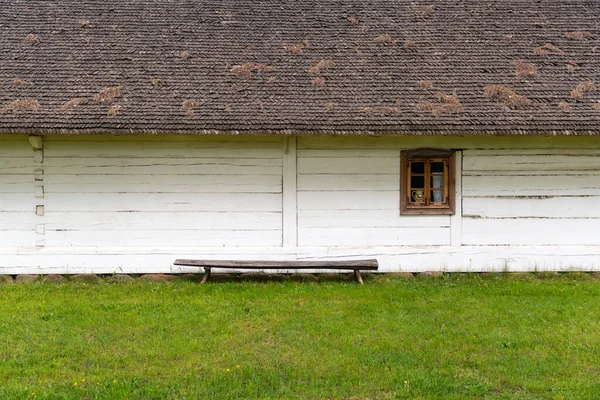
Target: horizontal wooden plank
532, 163
404, 141
368, 219
373, 236
531, 185
18, 238
162, 138
16, 149
110, 260
531, 232
20, 220
350, 182
124, 166
174, 238
369, 264
129, 221
516, 173
342, 200
348, 165
162, 149
450, 141
549, 207
193, 183
9, 179
12, 137
540, 151
17, 184
342, 153
12, 202
163, 202
17, 165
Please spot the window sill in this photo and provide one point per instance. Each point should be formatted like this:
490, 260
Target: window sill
427, 211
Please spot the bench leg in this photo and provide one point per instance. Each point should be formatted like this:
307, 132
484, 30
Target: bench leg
358, 277
206, 275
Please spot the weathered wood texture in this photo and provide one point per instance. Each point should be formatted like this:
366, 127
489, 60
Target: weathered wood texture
167, 191
134, 204
290, 192
356, 265
456, 219
350, 196
531, 197
109, 260
17, 193
369, 264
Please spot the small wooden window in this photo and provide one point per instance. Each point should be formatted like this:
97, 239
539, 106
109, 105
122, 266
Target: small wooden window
427, 182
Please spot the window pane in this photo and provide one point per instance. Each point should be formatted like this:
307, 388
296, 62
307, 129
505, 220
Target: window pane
437, 182
437, 167
417, 182
417, 167
417, 197
437, 196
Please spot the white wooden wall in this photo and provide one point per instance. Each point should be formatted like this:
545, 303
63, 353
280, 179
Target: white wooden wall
351, 197
531, 197
18, 221
108, 204
146, 191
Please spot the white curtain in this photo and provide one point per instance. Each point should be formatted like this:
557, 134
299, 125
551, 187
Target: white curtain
437, 182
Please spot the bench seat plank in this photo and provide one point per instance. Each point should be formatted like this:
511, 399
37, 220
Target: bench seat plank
369, 265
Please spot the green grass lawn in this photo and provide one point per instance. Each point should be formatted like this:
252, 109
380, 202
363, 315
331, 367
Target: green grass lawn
449, 338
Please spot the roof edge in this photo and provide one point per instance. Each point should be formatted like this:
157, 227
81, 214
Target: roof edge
293, 132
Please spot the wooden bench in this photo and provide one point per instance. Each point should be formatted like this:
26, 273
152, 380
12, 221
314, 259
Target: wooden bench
355, 265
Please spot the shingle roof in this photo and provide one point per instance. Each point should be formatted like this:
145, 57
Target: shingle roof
336, 67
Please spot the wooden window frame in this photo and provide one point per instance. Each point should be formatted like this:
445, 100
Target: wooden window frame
428, 155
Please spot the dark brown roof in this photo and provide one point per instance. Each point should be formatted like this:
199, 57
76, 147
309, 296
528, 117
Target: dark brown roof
345, 67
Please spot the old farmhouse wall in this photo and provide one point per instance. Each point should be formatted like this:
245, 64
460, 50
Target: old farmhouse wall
109, 204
